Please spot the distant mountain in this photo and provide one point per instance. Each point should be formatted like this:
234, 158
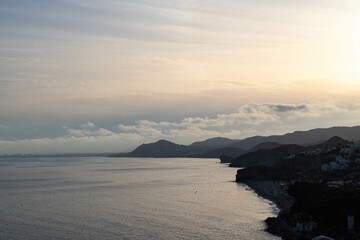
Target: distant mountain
214, 142
216, 153
159, 149
214, 147
309, 137
165, 148
265, 157
332, 142
265, 145
269, 157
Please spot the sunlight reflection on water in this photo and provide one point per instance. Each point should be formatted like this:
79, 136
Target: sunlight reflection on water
127, 198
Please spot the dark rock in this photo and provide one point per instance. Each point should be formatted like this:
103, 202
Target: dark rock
226, 159
266, 157
277, 226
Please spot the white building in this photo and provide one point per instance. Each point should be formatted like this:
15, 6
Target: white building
335, 183
305, 227
350, 149
322, 237
341, 160
335, 165
291, 156
350, 222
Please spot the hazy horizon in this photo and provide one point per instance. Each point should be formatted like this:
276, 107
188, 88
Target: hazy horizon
106, 76
156, 140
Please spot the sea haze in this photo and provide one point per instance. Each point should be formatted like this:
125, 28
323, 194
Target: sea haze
127, 198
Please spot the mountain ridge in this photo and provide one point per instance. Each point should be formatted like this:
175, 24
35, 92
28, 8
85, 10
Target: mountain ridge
269, 157
212, 147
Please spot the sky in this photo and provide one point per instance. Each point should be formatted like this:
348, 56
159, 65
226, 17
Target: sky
106, 75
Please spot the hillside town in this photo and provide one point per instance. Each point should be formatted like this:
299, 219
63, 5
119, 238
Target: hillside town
317, 189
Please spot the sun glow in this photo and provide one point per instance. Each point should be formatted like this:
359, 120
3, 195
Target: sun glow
156, 60
348, 49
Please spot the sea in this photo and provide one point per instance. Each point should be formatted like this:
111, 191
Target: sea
127, 198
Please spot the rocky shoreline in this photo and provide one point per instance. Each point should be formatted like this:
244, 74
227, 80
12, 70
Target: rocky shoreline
275, 192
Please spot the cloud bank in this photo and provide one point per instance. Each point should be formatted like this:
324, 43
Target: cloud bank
250, 119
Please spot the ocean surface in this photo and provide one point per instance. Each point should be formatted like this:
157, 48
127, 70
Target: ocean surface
127, 198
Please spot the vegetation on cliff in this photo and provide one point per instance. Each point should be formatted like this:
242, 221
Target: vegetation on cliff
328, 206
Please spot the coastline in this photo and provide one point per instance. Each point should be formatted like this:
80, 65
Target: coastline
266, 189
274, 191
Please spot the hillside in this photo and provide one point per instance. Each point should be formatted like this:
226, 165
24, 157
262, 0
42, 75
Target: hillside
335, 141
216, 153
159, 149
265, 157
213, 143
270, 157
214, 147
265, 145
309, 137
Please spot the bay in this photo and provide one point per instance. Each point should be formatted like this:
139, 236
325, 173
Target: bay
127, 198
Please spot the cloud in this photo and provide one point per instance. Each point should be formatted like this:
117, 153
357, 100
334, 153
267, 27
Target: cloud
286, 108
89, 133
250, 119
88, 125
249, 116
100, 140
126, 128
